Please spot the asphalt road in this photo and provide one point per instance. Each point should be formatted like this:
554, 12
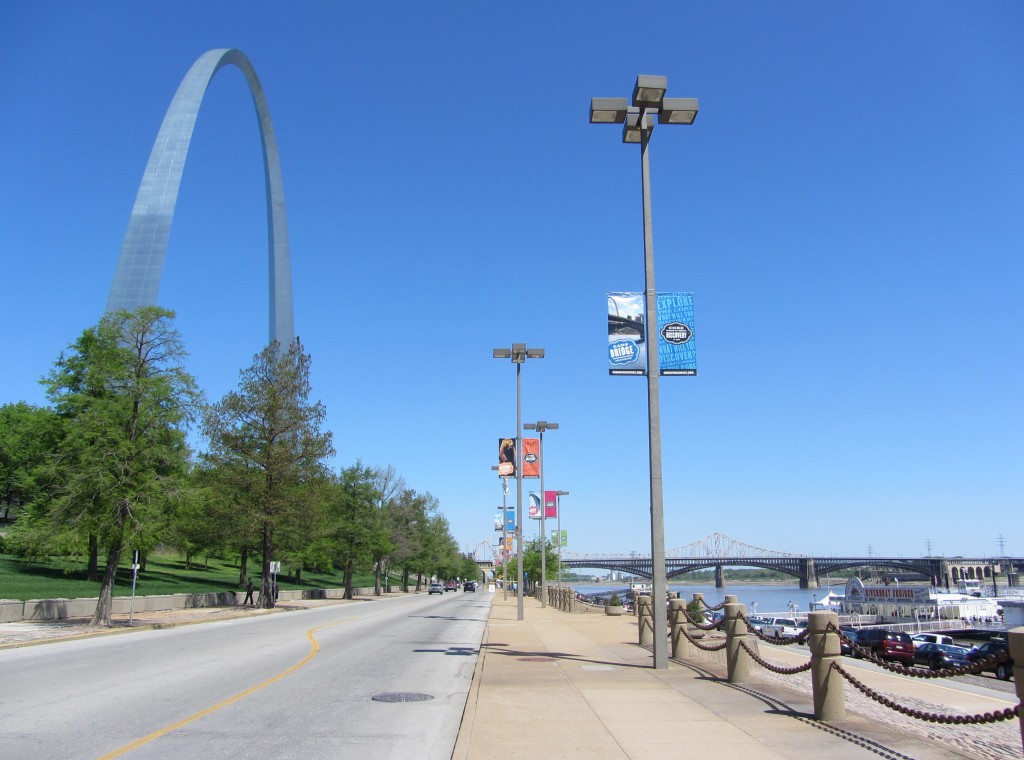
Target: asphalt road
295, 685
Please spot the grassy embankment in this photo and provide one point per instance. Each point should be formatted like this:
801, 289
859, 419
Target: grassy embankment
164, 574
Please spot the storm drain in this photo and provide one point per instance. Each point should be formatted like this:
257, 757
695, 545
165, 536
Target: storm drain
401, 696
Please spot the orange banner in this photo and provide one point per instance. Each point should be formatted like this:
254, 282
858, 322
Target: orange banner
531, 457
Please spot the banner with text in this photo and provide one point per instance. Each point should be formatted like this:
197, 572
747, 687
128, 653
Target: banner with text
506, 457
627, 354
627, 341
677, 354
549, 503
531, 457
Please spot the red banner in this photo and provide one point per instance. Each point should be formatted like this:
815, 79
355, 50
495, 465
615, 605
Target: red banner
550, 504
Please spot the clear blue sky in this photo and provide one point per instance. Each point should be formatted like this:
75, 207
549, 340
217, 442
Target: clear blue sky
847, 210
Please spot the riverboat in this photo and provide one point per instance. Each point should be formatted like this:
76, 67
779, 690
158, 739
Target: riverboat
909, 602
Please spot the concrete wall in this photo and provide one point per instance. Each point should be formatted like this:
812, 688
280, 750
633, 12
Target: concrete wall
13, 611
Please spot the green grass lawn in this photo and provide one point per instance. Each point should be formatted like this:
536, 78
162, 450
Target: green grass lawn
164, 574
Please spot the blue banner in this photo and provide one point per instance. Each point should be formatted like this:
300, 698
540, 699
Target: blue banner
677, 354
627, 346
627, 353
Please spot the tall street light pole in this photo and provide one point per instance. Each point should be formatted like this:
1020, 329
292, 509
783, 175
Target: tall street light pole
649, 102
504, 536
519, 353
558, 516
540, 426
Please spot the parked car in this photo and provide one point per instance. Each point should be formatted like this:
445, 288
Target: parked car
778, 627
451, 585
756, 623
435, 588
469, 586
849, 640
1004, 668
931, 638
939, 656
887, 645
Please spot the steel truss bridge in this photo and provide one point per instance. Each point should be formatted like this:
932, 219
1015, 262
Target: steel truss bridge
719, 551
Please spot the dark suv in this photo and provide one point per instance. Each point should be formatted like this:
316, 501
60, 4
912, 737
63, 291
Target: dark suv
1004, 668
887, 645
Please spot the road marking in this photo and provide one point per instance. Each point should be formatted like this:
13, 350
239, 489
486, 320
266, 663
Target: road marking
314, 648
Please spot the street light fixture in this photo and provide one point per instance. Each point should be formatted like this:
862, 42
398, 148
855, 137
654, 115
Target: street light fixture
540, 426
638, 122
519, 353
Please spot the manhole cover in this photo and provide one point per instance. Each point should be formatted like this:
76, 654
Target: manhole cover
401, 696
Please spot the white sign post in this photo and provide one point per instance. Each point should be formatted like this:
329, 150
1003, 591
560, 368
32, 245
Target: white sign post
135, 573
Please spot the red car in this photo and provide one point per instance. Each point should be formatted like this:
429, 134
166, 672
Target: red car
887, 645
451, 586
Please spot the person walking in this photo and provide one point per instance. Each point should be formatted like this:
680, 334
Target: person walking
248, 593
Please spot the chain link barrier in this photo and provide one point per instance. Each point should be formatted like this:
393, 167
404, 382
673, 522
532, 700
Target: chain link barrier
779, 640
719, 606
705, 647
775, 668
713, 626
990, 717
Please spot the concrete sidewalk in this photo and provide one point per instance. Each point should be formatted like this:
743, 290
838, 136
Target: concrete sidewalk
568, 685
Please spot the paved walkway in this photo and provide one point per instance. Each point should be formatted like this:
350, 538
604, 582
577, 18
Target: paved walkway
560, 685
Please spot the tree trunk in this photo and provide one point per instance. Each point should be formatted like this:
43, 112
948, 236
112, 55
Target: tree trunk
376, 578
245, 567
92, 569
105, 602
405, 580
348, 579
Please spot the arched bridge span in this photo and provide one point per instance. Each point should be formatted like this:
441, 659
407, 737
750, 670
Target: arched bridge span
719, 551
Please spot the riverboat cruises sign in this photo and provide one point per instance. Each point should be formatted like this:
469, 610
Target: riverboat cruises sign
627, 334
856, 591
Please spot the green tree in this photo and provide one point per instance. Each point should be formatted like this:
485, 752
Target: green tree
531, 561
28, 437
267, 444
197, 521
126, 400
352, 520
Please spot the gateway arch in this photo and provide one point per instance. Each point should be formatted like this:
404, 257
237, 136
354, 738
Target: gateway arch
137, 277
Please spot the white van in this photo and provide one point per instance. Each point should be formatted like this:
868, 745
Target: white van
931, 638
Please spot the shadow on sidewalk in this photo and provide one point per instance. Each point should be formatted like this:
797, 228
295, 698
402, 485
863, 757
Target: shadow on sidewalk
550, 656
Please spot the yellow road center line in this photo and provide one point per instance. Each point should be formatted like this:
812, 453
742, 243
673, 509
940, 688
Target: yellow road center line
315, 647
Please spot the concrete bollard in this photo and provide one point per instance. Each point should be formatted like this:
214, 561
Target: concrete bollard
681, 647
826, 683
1017, 653
645, 620
736, 657
698, 597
